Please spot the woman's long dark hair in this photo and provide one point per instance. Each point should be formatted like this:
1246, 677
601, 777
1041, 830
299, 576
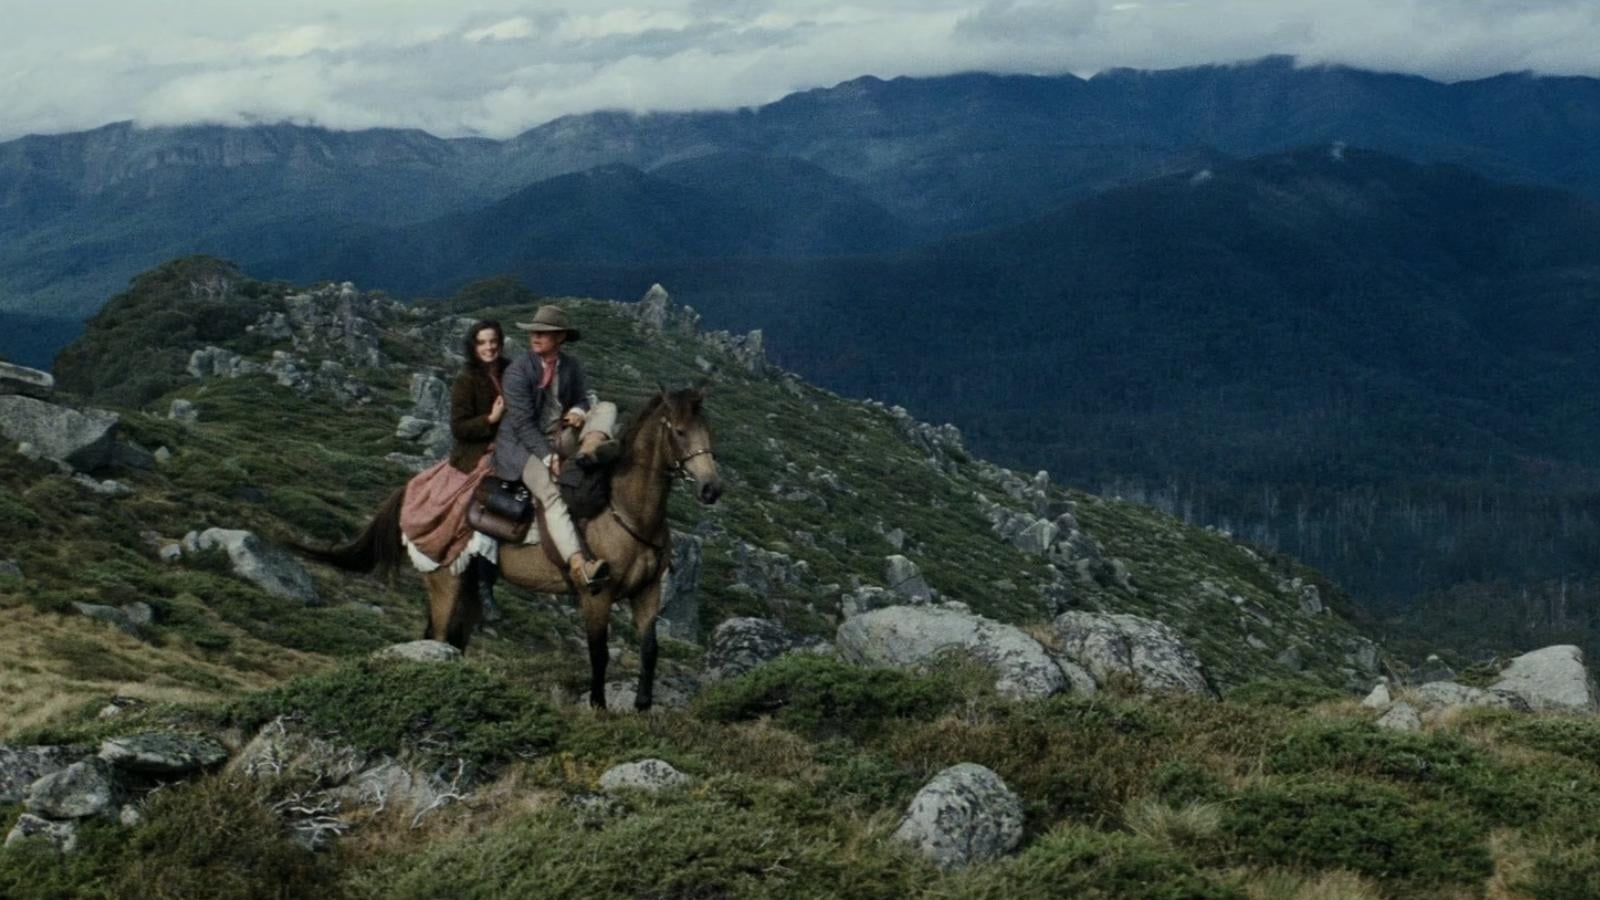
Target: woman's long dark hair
469, 345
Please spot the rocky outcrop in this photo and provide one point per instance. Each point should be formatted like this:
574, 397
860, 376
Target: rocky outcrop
258, 562
1379, 698
1439, 698
1552, 678
680, 589
965, 814
163, 753
739, 645
918, 636
657, 312
764, 572
26, 382
84, 440
129, 617
428, 422
746, 349
645, 775
1143, 652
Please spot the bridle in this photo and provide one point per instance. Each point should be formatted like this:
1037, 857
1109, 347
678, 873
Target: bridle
679, 469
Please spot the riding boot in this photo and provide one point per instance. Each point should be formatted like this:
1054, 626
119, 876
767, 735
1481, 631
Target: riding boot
597, 449
589, 573
487, 573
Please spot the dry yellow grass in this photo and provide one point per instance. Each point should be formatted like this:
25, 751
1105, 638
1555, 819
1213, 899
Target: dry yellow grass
51, 665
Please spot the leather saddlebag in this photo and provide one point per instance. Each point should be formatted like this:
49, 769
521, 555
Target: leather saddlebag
501, 509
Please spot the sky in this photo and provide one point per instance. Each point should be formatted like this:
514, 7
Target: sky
496, 68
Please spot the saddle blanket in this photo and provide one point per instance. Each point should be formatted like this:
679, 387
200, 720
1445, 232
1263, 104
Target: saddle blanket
480, 545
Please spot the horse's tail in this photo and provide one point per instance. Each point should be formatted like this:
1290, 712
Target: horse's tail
376, 548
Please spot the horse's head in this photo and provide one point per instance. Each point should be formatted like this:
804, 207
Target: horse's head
688, 443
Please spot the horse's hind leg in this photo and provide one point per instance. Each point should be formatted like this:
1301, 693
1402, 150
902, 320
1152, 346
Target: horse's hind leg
645, 607
596, 625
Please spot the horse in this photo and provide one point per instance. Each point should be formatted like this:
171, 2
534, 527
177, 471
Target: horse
669, 439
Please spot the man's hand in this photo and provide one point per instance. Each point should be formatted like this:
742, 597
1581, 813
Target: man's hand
555, 467
574, 418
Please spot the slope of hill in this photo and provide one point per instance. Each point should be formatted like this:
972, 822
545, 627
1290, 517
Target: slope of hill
482, 776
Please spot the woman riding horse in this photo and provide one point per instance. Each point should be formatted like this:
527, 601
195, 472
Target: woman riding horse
668, 440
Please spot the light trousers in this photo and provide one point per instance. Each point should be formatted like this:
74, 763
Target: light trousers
559, 528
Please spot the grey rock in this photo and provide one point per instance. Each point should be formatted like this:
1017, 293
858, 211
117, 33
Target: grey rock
1401, 717
107, 488
130, 816
1037, 538
9, 570
421, 652
131, 455
214, 362
1145, 652
680, 589
1433, 669
739, 645
671, 692
412, 428
918, 636
965, 814
865, 599
82, 439
657, 312
1440, 696
1291, 658
183, 411
262, 564
390, 784
765, 572
22, 766
112, 615
80, 790
26, 382
746, 349
63, 836
162, 456
645, 775
163, 753
1551, 678
896, 538
905, 579
1379, 698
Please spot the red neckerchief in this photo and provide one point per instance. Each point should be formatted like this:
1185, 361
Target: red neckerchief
549, 372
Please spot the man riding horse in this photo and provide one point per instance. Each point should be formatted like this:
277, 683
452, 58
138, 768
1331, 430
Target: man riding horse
548, 420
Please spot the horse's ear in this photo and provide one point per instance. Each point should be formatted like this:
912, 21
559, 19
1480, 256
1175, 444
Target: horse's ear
701, 388
663, 389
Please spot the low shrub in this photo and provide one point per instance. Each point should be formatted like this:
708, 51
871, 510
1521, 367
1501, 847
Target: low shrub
439, 710
1358, 825
1292, 692
1074, 861
821, 696
1577, 738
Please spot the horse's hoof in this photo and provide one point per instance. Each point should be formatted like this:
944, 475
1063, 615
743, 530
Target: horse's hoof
643, 704
597, 702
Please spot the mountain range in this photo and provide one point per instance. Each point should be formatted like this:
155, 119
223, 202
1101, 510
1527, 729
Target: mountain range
1347, 314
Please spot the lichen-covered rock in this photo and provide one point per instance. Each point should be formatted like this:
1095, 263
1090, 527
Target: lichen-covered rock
82, 439
918, 636
22, 766
183, 411
1401, 717
966, 814
644, 775
1143, 651
163, 753
680, 589
1379, 698
80, 790
63, 836
1551, 678
1438, 697
739, 645
906, 581
671, 692
258, 562
420, 651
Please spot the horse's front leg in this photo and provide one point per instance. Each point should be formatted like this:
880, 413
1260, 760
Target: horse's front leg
645, 608
596, 624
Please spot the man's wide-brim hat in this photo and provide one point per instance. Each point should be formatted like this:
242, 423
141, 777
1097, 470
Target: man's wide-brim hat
551, 318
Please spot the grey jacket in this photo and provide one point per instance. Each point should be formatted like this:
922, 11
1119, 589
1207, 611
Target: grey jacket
519, 436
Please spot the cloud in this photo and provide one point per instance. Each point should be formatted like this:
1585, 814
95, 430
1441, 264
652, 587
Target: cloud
498, 67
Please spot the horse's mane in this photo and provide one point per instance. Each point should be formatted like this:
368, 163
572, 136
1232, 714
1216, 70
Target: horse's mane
631, 433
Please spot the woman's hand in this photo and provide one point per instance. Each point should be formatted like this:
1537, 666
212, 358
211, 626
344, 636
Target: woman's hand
497, 411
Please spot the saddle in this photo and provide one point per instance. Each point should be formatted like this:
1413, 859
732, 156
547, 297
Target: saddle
504, 510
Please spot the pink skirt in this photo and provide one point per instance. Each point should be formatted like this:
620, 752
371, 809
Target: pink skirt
434, 514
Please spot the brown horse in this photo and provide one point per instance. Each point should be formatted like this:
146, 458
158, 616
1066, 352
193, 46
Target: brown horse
669, 439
